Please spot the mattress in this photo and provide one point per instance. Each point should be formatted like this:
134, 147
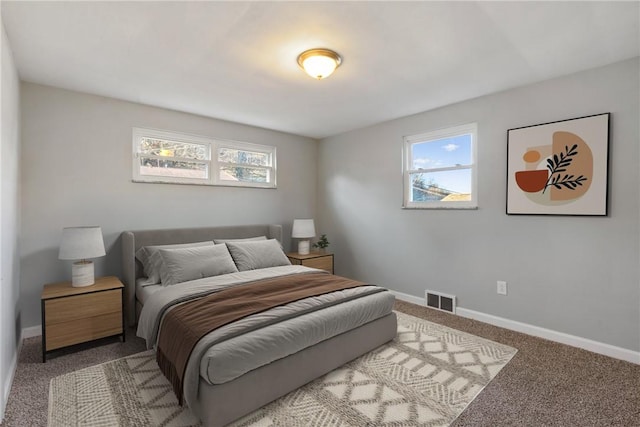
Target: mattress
144, 291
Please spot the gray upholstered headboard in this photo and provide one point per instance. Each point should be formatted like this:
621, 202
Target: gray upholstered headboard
134, 240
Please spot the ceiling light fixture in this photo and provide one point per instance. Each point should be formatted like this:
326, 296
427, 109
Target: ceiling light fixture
319, 63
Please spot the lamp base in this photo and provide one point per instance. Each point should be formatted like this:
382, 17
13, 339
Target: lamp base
82, 274
303, 247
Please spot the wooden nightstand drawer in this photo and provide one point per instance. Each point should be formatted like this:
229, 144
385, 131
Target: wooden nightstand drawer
78, 331
323, 261
82, 306
76, 315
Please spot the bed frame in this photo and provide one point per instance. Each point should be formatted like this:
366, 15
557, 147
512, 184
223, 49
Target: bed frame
220, 404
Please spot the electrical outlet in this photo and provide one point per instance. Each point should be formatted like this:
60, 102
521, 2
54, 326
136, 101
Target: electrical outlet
502, 287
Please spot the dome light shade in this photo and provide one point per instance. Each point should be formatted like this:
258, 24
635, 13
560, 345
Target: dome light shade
319, 63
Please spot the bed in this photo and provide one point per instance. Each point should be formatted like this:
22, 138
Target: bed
246, 364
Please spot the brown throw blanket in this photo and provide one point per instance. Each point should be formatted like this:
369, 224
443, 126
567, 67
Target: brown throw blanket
184, 325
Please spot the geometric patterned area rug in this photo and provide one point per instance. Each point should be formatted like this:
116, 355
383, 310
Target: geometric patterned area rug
426, 376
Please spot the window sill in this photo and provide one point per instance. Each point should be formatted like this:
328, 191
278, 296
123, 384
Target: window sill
204, 184
448, 208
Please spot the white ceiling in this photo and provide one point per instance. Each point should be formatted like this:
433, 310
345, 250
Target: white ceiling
237, 60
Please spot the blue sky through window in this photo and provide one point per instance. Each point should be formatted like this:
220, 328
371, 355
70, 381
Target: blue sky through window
442, 153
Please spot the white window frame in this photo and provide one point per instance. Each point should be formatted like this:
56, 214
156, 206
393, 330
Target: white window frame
214, 145
409, 141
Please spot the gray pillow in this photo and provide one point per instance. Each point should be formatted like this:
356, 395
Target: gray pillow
248, 239
257, 254
184, 264
151, 262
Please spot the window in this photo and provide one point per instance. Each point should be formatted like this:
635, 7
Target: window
440, 169
169, 157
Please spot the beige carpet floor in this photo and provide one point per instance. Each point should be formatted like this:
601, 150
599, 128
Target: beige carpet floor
545, 384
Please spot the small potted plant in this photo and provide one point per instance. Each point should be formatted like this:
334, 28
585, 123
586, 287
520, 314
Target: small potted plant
322, 243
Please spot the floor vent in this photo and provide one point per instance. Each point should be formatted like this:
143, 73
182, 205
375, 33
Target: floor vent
441, 301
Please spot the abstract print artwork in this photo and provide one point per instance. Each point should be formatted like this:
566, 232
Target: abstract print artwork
559, 168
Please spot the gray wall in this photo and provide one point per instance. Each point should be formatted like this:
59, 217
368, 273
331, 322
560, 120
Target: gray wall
76, 170
9, 218
577, 275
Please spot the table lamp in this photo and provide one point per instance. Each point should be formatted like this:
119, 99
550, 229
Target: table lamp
303, 229
80, 243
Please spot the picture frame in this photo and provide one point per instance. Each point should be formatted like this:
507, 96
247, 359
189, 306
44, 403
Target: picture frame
559, 168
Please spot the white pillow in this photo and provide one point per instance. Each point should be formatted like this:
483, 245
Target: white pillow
257, 254
151, 262
248, 239
184, 264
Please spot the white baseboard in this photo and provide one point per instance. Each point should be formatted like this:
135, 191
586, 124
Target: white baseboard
536, 331
13, 367
33, 331
408, 298
8, 383
12, 373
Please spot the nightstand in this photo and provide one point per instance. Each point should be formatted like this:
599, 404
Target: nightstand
323, 261
77, 315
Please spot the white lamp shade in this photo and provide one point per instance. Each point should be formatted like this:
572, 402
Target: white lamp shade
303, 229
81, 243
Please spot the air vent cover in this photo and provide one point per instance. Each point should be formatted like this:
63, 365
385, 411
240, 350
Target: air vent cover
441, 301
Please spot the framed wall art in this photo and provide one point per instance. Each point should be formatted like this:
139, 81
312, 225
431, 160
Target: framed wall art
559, 168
